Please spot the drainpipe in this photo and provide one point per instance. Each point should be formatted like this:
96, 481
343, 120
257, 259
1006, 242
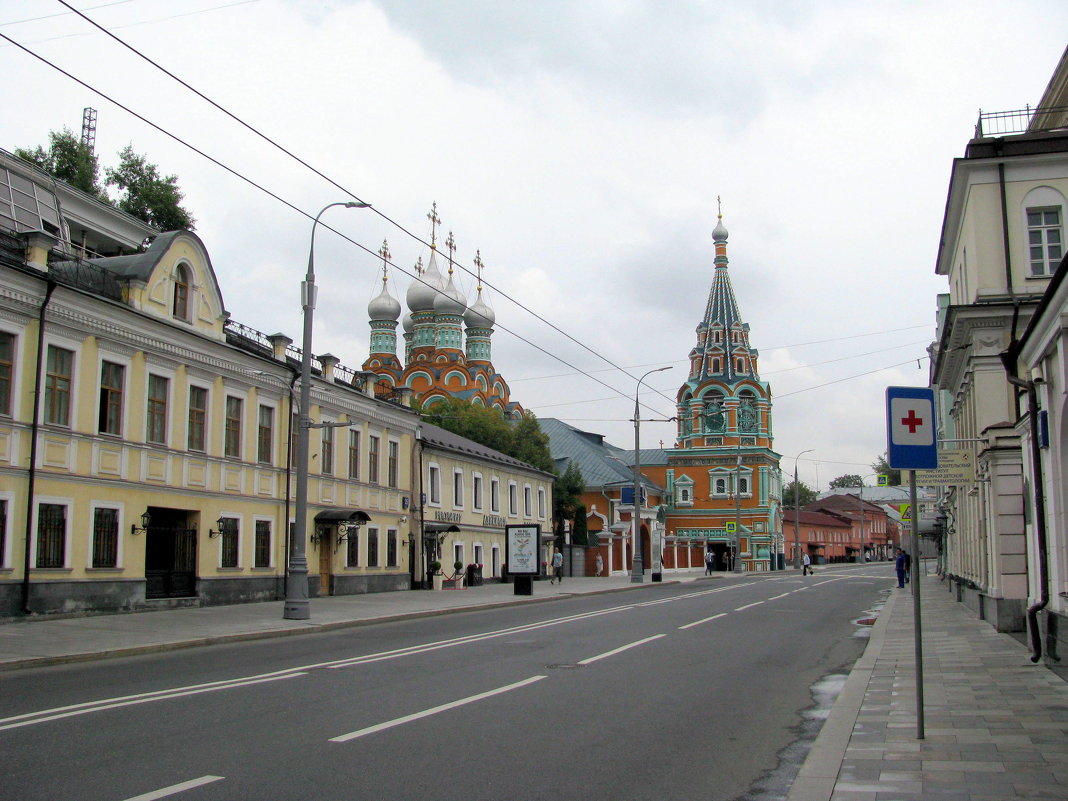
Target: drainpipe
35, 426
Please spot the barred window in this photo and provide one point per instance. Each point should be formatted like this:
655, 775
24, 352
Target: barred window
156, 429
233, 427
228, 539
372, 547
352, 548
391, 548
198, 414
59, 374
3, 530
105, 537
7, 362
263, 543
111, 376
51, 535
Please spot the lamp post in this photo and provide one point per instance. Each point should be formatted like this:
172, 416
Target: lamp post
637, 573
797, 513
296, 606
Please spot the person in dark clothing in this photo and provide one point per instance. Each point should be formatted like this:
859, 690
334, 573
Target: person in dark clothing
908, 566
899, 566
710, 561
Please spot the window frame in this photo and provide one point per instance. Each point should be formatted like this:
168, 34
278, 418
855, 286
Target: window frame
457, 488
495, 495
476, 492
111, 396
513, 499
393, 463
372, 546
259, 547
354, 454
96, 547
433, 484
392, 550
265, 434
232, 426
197, 416
229, 542
374, 457
8, 341
59, 387
326, 449
64, 540
1048, 262
156, 408
182, 292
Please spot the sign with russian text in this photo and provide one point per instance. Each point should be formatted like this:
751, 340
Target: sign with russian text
956, 467
522, 549
910, 428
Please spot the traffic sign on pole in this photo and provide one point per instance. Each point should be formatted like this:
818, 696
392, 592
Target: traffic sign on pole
910, 428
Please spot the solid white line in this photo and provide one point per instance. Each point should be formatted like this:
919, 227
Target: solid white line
748, 606
174, 789
144, 700
705, 620
344, 738
615, 651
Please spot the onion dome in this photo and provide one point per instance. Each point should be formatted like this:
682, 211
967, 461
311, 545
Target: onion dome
479, 315
385, 306
424, 289
450, 300
406, 323
719, 233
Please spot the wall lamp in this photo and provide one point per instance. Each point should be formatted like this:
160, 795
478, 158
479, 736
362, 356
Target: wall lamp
146, 519
221, 525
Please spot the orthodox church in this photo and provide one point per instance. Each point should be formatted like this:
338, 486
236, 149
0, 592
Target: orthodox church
722, 478
446, 342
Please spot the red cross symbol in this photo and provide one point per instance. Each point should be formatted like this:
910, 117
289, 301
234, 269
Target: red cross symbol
912, 421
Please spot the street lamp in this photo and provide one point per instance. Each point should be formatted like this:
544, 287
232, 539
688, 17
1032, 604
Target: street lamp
797, 513
296, 606
637, 573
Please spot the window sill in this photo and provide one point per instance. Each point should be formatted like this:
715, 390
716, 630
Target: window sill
230, 569
51, 570
266, 569
104, 569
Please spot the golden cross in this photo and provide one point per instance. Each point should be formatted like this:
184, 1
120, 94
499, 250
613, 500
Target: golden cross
450, 243
385, 254
478, 268
434, 222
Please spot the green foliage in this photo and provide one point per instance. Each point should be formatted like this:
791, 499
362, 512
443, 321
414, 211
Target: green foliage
579, 528
882, 467
799, 494
848, 480
522, 440
146, 194
531, 444
68, 159
567, 496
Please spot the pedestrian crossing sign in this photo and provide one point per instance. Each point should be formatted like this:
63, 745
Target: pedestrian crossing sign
730, 526
884, 480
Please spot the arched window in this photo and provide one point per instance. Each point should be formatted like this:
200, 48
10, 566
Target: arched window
1044, 217
180, 307
747, 413
715, 419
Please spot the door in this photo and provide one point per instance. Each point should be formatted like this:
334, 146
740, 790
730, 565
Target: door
170, 555
326, 563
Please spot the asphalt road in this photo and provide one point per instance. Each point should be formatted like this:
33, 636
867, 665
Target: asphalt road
665, 692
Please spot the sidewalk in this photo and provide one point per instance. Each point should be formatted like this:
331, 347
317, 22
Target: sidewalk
34, 643
995, 725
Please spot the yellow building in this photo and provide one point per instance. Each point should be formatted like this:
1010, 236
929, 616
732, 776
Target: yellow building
145, 439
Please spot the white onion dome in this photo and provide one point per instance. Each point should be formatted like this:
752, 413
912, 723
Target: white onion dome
479, 315
450, 300
384, 307
424, 290
719, 233
406, 323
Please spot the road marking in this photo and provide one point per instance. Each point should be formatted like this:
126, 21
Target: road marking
748, 606
705, 620
777, 597
144, 698
622, 648
174, 789
344, 738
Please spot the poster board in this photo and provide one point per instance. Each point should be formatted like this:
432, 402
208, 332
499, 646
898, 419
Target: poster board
523, 549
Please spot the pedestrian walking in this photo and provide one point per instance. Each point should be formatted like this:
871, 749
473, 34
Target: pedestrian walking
806, 564
710, 562
600, 564
908, 566
899, 566
558, 568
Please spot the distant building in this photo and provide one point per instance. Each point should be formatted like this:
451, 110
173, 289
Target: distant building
872, 530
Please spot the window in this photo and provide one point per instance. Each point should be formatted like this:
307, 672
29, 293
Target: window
478, 555
434, 484
105, 537
720, 486
198, 414
7, 362
232, 436
1044, 240
228, 542
495, 495
111, 376
513, 499
352, 548
458, 489
743, 486
372, 547
326, 451
476, 492
265, 435
263, 544
391, 547
526, 501
373, 457
541, 502
354, 454
457, 553
51, 535
59, 373
156, 422
180, 308
3, 530
393, 465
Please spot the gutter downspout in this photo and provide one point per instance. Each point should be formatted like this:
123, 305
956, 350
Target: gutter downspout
35, 427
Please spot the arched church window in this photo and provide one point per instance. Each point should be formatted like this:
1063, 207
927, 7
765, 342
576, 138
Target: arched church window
747, 413
715, 419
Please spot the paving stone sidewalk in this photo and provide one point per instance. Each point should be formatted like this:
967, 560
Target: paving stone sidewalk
995, 724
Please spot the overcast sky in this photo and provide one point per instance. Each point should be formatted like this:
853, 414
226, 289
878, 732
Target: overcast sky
580, 147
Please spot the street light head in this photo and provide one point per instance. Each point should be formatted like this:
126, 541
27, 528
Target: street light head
357, 204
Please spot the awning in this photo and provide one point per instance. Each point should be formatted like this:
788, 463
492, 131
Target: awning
328, 516
430, 529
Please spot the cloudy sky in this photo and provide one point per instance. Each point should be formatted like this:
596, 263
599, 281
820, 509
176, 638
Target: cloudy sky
580, 147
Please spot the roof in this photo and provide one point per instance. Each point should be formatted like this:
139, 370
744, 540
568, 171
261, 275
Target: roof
600, 463
442, 439
814, 518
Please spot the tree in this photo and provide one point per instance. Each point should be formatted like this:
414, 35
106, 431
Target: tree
790, 492
567, 496
68, 159
531, 444
147, 195
883, 468
848, 480
523, 439
580, 532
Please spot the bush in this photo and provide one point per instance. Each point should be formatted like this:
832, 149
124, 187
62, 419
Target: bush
457, 565
435, 567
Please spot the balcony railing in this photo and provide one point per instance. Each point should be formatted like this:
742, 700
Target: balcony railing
1006, 123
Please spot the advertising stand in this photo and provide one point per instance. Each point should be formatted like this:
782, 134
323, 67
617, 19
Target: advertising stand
522, 552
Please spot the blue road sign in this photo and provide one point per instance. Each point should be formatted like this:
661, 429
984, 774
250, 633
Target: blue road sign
910, 428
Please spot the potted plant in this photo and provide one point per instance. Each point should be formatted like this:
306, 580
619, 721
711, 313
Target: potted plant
456, 581
436, 577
